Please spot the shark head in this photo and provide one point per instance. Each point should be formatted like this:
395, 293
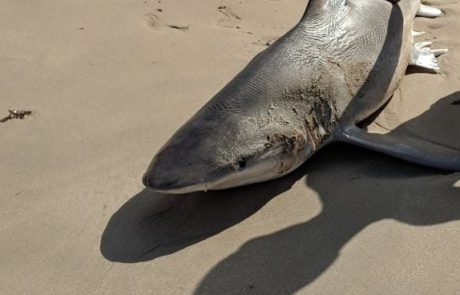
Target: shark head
218, 151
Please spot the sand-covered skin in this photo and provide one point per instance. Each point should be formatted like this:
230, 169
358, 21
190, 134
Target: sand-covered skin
109, 82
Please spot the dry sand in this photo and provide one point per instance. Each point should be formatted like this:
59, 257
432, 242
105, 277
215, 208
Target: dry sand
109, 81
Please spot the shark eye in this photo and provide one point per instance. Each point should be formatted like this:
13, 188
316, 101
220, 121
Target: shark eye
242, 164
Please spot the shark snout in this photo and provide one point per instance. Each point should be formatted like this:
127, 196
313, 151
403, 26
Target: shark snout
170, 174
160, 181
180, 170
165, 183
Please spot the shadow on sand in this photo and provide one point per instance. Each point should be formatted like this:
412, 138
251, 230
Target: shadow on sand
367, 188
152, 225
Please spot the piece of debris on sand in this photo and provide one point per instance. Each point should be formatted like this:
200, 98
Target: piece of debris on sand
16, 114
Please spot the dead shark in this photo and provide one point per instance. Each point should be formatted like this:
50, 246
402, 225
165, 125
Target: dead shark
314, 86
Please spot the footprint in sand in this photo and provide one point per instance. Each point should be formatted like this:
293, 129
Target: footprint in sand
156, 23
153, 21
230, 18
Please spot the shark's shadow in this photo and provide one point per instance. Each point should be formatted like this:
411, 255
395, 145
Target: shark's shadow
357, 188
151, 225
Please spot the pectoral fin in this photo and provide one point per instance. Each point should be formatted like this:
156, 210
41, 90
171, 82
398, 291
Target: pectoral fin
404, 147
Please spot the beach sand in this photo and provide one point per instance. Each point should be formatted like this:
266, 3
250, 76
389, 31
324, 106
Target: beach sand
109, 82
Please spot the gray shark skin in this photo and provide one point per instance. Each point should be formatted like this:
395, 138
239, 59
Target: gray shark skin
338, 66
